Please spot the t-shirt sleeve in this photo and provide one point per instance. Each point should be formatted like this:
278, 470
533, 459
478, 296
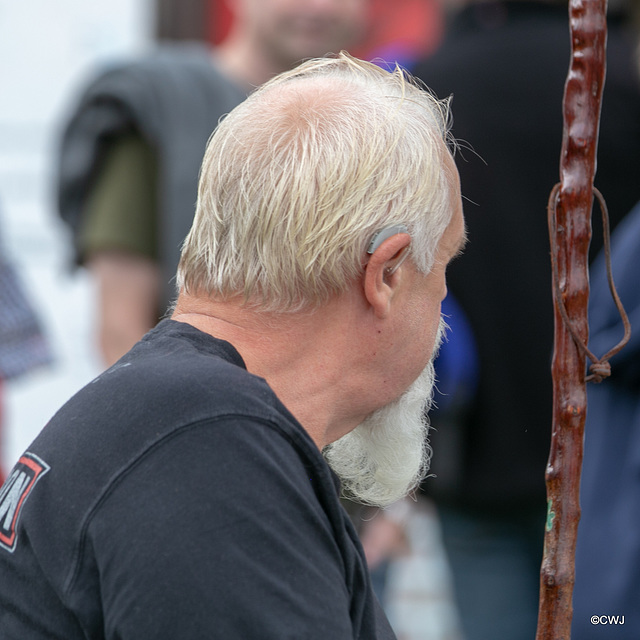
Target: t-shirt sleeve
219, 533
121, 209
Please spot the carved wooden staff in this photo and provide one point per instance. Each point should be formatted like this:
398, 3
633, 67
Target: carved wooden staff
570, 233
569, 210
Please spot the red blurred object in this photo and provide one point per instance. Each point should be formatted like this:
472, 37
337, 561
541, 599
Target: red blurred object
219, 20
401, 30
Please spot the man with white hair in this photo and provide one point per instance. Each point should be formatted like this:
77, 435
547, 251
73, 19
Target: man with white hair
184, 493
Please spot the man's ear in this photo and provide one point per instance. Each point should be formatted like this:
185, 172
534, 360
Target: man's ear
380, 279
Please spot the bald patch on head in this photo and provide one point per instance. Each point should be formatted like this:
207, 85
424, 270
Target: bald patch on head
302, 115
309, 101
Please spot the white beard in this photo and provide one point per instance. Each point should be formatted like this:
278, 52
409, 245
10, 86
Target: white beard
387, 455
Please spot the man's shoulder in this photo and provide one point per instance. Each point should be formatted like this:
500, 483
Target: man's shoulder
177, 439
163, 70
174, 376
177, 380
159, 59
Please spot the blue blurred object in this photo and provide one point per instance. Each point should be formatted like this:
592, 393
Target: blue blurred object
22, 343
608, 548
457, 363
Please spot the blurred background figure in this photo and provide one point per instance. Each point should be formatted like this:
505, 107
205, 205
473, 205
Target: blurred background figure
130, 154
401, 31
608, 549
505, 63
44, 48
23, 346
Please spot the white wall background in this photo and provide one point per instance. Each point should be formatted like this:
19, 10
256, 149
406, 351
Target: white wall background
47, 50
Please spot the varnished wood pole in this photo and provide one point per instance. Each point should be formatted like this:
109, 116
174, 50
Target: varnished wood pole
570, 231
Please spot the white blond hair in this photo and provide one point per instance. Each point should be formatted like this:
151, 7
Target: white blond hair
297, 179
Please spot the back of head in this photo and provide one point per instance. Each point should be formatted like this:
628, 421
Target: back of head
297, 179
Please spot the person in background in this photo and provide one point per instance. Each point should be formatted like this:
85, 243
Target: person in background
607, 580
505, 64
184, 492
130, 153
23, 345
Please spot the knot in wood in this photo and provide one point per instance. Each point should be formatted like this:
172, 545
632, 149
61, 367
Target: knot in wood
599, 371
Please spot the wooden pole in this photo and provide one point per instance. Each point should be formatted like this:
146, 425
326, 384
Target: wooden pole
570, 233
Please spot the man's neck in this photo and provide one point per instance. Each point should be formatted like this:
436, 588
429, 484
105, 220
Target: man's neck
297, 354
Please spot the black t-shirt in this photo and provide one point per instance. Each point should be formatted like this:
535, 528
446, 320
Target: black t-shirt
176, 497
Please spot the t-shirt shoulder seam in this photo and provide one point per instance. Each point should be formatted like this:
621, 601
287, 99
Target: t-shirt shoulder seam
120, 475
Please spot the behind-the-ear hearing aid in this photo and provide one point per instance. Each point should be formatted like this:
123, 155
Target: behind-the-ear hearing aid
380, 236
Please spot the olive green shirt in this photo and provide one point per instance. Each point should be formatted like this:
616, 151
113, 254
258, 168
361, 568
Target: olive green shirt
122, 207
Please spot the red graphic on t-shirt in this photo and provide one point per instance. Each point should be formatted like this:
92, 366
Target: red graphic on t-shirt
14, 493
